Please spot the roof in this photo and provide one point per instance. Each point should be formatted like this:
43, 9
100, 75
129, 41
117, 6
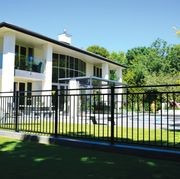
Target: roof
40, 36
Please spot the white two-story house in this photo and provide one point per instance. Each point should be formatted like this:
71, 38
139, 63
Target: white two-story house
31, 61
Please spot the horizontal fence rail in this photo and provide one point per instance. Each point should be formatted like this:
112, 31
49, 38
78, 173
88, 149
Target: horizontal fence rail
148, 115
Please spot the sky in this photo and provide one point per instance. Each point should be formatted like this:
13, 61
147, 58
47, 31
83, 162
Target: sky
117, 25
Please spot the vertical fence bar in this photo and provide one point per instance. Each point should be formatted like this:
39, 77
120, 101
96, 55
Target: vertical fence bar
174, 122
127, 115
132, 117
56, 114
112, 114
143, 117
16, 108
161, 113
167, 126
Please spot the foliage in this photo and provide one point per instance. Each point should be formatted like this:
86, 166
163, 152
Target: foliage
119, 57
174, 58
157, 64
98, 50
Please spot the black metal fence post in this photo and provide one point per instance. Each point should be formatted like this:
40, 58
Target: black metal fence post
16, 110
56, 114
112, 114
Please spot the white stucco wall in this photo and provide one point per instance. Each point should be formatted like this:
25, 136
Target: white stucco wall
36, 85
89, 69
38, 52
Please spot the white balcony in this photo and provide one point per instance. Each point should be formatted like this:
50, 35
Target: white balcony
28, 75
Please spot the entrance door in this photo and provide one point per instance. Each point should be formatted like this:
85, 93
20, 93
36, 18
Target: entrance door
25, 92
62, 98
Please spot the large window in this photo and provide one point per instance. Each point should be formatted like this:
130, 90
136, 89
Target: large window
23, 57
67, 67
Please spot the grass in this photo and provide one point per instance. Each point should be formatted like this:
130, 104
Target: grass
30, 160
151, 136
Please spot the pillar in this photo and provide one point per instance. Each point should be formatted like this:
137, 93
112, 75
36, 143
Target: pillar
47, 56
105, 71
47, 82
7, 82
119, 90
74, 100
105, 75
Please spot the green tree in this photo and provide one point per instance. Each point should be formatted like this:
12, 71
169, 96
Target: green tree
119, 57
158, 57
99, 50
132, 54
136, 72
174, 58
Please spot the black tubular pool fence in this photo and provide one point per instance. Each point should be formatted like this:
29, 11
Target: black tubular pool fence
146, 115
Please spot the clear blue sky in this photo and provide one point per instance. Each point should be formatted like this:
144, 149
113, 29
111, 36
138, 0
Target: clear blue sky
117, 25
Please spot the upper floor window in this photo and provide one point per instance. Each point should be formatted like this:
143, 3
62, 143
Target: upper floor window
24, 60
23, 57
67, 66
97, 72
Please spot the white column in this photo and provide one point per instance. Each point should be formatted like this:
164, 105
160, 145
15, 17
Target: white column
89, 73
47, 83
119, 75
105, 71
7, 82
119, 90
105, 75
74, 100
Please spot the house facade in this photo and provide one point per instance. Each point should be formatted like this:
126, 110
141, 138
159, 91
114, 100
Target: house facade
30, 61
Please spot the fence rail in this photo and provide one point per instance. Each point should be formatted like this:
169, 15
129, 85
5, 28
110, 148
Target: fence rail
148, 115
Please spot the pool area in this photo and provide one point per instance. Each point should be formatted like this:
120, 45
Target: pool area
154, 121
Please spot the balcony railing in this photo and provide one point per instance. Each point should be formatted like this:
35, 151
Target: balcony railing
29, 64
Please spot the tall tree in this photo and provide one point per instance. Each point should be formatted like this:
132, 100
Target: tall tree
98, 50
119, 57
174, 58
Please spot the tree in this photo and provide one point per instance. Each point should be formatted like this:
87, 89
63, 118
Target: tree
119, 57
174, 58
134, 52
98, 50
136, 72
160, 46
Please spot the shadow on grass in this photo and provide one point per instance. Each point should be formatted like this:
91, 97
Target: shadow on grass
32, 160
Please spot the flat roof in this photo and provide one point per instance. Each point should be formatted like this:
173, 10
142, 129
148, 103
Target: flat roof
37, 35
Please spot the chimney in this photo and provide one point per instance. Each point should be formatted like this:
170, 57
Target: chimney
65, 37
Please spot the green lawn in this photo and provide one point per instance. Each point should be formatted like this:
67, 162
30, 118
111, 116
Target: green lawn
151, 136
30, 160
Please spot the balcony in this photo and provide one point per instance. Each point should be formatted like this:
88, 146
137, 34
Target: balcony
31, 64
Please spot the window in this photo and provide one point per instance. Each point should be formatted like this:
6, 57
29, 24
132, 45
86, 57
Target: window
66, 67
97, 71
29, 93
23, 57
55, 60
